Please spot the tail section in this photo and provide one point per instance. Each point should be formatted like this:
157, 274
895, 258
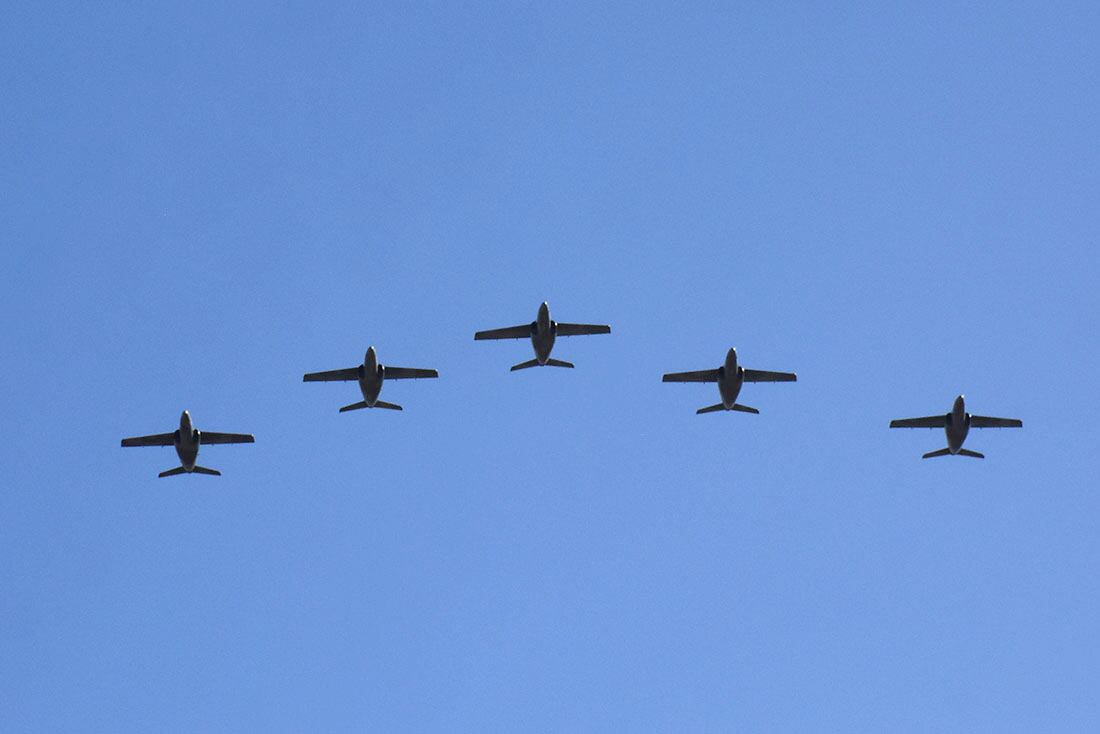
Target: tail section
960, 452
525, 365
363, 404
737, 406
196, 470
535, 363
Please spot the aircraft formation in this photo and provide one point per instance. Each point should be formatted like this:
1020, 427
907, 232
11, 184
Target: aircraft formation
730, 377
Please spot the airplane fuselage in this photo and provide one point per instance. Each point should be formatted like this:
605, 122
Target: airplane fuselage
731, 376
543, 335
187, 442
371, 376
957, 425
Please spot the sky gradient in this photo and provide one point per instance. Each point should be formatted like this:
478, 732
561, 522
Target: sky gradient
198, 205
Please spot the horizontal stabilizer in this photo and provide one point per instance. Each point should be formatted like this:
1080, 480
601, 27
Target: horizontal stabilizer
933, 454
535, 363
204, 470
173, 472
355, 406
525, 365
737, 406
389, 406
971, 454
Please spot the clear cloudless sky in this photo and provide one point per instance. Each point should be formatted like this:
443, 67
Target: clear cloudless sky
200, 203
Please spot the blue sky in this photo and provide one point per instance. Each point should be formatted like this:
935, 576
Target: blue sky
197, 205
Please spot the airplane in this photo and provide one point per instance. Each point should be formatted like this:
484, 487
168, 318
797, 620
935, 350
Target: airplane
542, 332
730, 376
187, 440
370, 375
956, 425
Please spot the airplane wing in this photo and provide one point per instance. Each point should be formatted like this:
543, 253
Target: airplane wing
351, 373
699, 376
764, 376
581, 329
523, 331
159, 439
984, 421
209, 437
406, 373
932, 421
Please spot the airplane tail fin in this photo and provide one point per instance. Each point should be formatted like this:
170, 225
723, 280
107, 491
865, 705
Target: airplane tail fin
390, 406
971, 454
525, 365
746, 409
172, 472
710, 409
354, 406
933, 454
204, 470
558, 363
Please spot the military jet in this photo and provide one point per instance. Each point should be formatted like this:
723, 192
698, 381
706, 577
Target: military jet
370, 375
542, 332
730, 376
956, 425
187, 440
